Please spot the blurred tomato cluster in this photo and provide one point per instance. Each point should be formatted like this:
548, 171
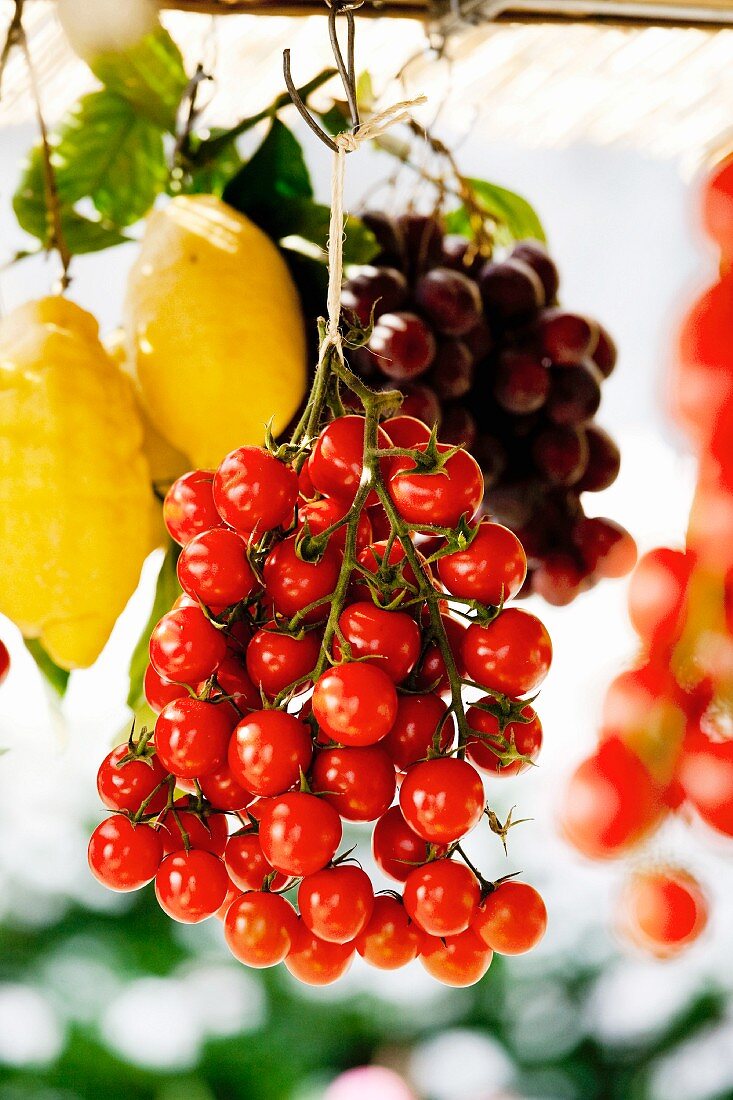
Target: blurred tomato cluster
665, 745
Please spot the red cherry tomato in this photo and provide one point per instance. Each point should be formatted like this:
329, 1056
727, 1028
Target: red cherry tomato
525, 736
268, 751
458, 961
389, 940
293, 584
512, 919
275, 660
4, 662
319, 515
663, 910
705, 773
396, 575
437, 499
299, 833
245, 861
185, 647
355, 704
124, 856
336, 462
395, 847
213, 567
224, 792
701, 387
159, 691
191, 886
233, 679
442, 799
491, 569
511, 655
610, 803
419, 718
336, 903
433, 674
125, 786
658, 596
441, 897
314, 961
192, 737
254, 491
205, 831
406, 431
358, 782
259, 928
188, 508
391, 638
717, 205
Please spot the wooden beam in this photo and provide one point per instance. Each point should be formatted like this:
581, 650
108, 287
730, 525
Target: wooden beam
406, 9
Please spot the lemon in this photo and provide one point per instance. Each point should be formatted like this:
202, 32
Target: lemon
214, 329
76, 508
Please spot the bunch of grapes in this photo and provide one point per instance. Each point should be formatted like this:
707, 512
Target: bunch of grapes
482, 348
312, 672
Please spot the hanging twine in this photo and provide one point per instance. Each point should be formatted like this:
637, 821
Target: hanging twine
349, 142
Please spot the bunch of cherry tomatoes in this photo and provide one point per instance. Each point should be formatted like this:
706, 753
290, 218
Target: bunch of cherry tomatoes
339, 600
665, 744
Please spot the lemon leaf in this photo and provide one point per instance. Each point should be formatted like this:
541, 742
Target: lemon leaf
56, 677
149, 75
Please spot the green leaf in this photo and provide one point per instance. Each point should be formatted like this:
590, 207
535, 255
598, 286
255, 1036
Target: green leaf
311, 279
276, 171
55, 676
107, 152
149, 75
310, 221
167, 590
29, 203
212, 176
516, 219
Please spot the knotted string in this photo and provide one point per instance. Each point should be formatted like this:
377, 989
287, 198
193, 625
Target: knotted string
349, 142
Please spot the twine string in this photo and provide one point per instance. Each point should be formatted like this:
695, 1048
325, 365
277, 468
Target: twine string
349, 142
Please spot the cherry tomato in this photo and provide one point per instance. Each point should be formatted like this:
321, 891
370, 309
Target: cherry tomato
391, 638
276, 659
293, 584
205, 831
355, 704
185, 647
389, 940
254, 491
191, 886
233, 892
419, 718
259, 928
224, 792
268, 751
511, 655
396, 576
610, 803
336, 903
663, 910
159, 691
702, 385
658, 596
245, 861
336, 462
437, 499
705, 772
396, 848
459, 961
233, 679
319, 515
441, 897
512, 919
433, 675
126, 786
4, 662
192, 737
525, 736
299, 833
717, 205
358, 782
442, 799
406, 431
188, 508
491, 569
314, 961
214, 568
124, 856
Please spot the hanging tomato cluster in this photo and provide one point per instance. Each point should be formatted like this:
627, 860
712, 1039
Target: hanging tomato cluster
665, 744
313, 672
482, 348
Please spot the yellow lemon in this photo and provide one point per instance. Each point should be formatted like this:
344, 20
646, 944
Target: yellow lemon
76, 508
214, 329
